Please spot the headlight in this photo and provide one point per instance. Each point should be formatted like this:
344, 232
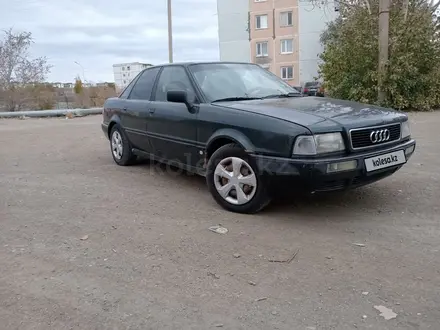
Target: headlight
318, 144
405, 131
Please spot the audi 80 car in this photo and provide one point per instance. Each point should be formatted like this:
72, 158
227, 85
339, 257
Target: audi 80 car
246, 131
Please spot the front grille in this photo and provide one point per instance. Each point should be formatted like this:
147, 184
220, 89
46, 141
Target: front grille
360, 137
330, 185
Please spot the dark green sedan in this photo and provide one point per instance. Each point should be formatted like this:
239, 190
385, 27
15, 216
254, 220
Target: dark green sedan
249, 133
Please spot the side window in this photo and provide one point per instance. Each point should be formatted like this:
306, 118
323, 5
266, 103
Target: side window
126, 92
144, 85
173, 78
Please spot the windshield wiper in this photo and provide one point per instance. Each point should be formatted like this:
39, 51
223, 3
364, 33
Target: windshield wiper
237, 98
282, 95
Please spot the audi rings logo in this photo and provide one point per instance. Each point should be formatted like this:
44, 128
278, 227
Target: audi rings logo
380, 135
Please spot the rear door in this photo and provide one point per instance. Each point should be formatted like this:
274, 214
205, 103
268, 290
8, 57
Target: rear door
137, 111
173, 128
127, 121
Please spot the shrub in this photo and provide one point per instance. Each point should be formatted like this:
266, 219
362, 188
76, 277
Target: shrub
350, 58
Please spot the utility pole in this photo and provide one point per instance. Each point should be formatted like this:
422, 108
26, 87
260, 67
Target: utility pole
170, 33
384, 27
83, 71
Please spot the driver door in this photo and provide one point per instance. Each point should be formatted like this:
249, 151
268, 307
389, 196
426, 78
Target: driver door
172, 127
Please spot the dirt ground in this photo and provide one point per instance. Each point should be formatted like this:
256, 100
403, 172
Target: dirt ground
86, 244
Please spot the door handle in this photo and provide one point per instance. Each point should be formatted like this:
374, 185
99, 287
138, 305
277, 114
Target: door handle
151, 110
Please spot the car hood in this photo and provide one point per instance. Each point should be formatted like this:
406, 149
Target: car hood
320, 113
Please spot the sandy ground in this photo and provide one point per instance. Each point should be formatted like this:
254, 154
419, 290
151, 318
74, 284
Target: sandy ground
149, 261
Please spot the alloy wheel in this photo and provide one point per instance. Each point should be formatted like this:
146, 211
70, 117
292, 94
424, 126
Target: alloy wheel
117, 146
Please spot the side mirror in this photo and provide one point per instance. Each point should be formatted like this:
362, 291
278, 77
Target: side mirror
177, 97
180, 97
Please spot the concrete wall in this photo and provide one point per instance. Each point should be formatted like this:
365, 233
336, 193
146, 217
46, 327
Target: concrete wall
312, 22
232, 31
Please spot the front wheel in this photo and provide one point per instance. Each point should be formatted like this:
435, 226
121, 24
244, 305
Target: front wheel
234, 181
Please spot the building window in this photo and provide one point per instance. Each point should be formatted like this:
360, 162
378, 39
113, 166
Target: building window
287, 46
261, 21
123, 68
287, 72
262, 49
128, 68
123, 75
286, 18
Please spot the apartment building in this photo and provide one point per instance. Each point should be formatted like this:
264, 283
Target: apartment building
125, 72
283, 36
233, 31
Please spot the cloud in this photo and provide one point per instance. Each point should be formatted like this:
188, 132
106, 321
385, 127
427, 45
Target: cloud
99, 33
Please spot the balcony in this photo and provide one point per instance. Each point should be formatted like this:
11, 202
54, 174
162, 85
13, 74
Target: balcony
262, 60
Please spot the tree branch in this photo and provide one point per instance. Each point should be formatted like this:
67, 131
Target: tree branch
435, 6
405, 9
352, 4
367, 3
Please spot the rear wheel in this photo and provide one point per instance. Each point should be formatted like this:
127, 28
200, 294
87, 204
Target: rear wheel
120, 147
234, 181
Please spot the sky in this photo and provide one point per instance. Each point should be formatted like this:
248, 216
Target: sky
100, 33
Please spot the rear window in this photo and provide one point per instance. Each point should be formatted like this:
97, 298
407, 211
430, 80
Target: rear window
312, 83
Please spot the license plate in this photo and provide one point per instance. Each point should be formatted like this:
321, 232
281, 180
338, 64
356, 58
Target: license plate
385, 160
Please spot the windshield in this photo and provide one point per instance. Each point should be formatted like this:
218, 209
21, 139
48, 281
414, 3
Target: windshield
242, 81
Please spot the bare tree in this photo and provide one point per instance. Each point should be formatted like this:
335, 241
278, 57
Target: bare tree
17, 69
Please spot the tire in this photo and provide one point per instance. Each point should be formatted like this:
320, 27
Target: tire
126, 157
254, 199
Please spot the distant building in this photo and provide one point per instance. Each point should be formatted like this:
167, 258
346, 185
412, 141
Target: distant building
125, 72
57, 85
282, 36
68, 85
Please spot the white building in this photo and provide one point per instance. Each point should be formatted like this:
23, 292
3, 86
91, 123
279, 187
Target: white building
125, 72
233, 32
281, 35
313, 21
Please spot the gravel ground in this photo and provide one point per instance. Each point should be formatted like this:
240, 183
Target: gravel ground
86, 244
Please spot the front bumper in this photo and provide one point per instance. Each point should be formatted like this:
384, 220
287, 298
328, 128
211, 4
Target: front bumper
312, 174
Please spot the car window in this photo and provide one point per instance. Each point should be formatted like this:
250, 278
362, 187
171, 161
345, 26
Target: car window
312, 83
144, 85
126, 92
228, 80
217, 84
173, 78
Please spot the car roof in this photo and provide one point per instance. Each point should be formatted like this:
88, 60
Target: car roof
193, 63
